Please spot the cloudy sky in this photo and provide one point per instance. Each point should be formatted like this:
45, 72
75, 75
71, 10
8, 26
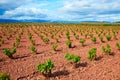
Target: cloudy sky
67, 10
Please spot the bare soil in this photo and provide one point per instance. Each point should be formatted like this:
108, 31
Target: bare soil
23, 66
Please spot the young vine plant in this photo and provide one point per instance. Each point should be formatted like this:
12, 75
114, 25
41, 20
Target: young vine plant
46, 68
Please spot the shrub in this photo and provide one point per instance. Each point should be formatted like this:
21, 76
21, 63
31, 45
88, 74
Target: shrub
108, 38
81, 33
16, 43
45, 68
56, 39
33, 49
99, 34
82, 41
74, 33
118, 45
9, 52
30, 36
1, 41
68, 56
41, 36
101, 39
74, 58
8, 37
86, 35
77, 36
68, 35
54, 47
104, 33
17, 39
115, 36
13, 51
4, 76
52, 36
91, 35
107, 49
32, 41
94, 39
69, 43
92, 54
46, 40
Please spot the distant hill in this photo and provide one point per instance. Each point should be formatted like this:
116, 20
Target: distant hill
8, 20
59, 22
13, 21
66, 22
117, 22
77, 22
35, 20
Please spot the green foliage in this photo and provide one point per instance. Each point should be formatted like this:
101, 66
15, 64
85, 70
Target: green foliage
92, 54
1, 41
68, 56
77, 36
54, 47
91, 35
30, 36
52, 36
86, 35
82, 41
32, 41
17, 42
45, 68
33, 49
108, 38
104, 33
49, 64
8, 37
9, 52
46, 40
118, 45
107, 49
69, 43
81, 33
74, 33
17, 39
13, 51
42, 37
56, 39
42, 67
94, 39
68, 35
101, 39
99, 34
74, 58
115, 36
4, 76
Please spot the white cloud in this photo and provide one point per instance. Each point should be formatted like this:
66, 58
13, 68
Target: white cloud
8, 4
91, 9
62, 9
23, 13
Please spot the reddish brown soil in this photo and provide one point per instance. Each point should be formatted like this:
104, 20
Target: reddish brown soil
23, 66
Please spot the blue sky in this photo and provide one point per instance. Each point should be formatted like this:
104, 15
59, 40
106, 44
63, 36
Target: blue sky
63, 10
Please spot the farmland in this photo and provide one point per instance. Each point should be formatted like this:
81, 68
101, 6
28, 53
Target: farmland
78, 52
